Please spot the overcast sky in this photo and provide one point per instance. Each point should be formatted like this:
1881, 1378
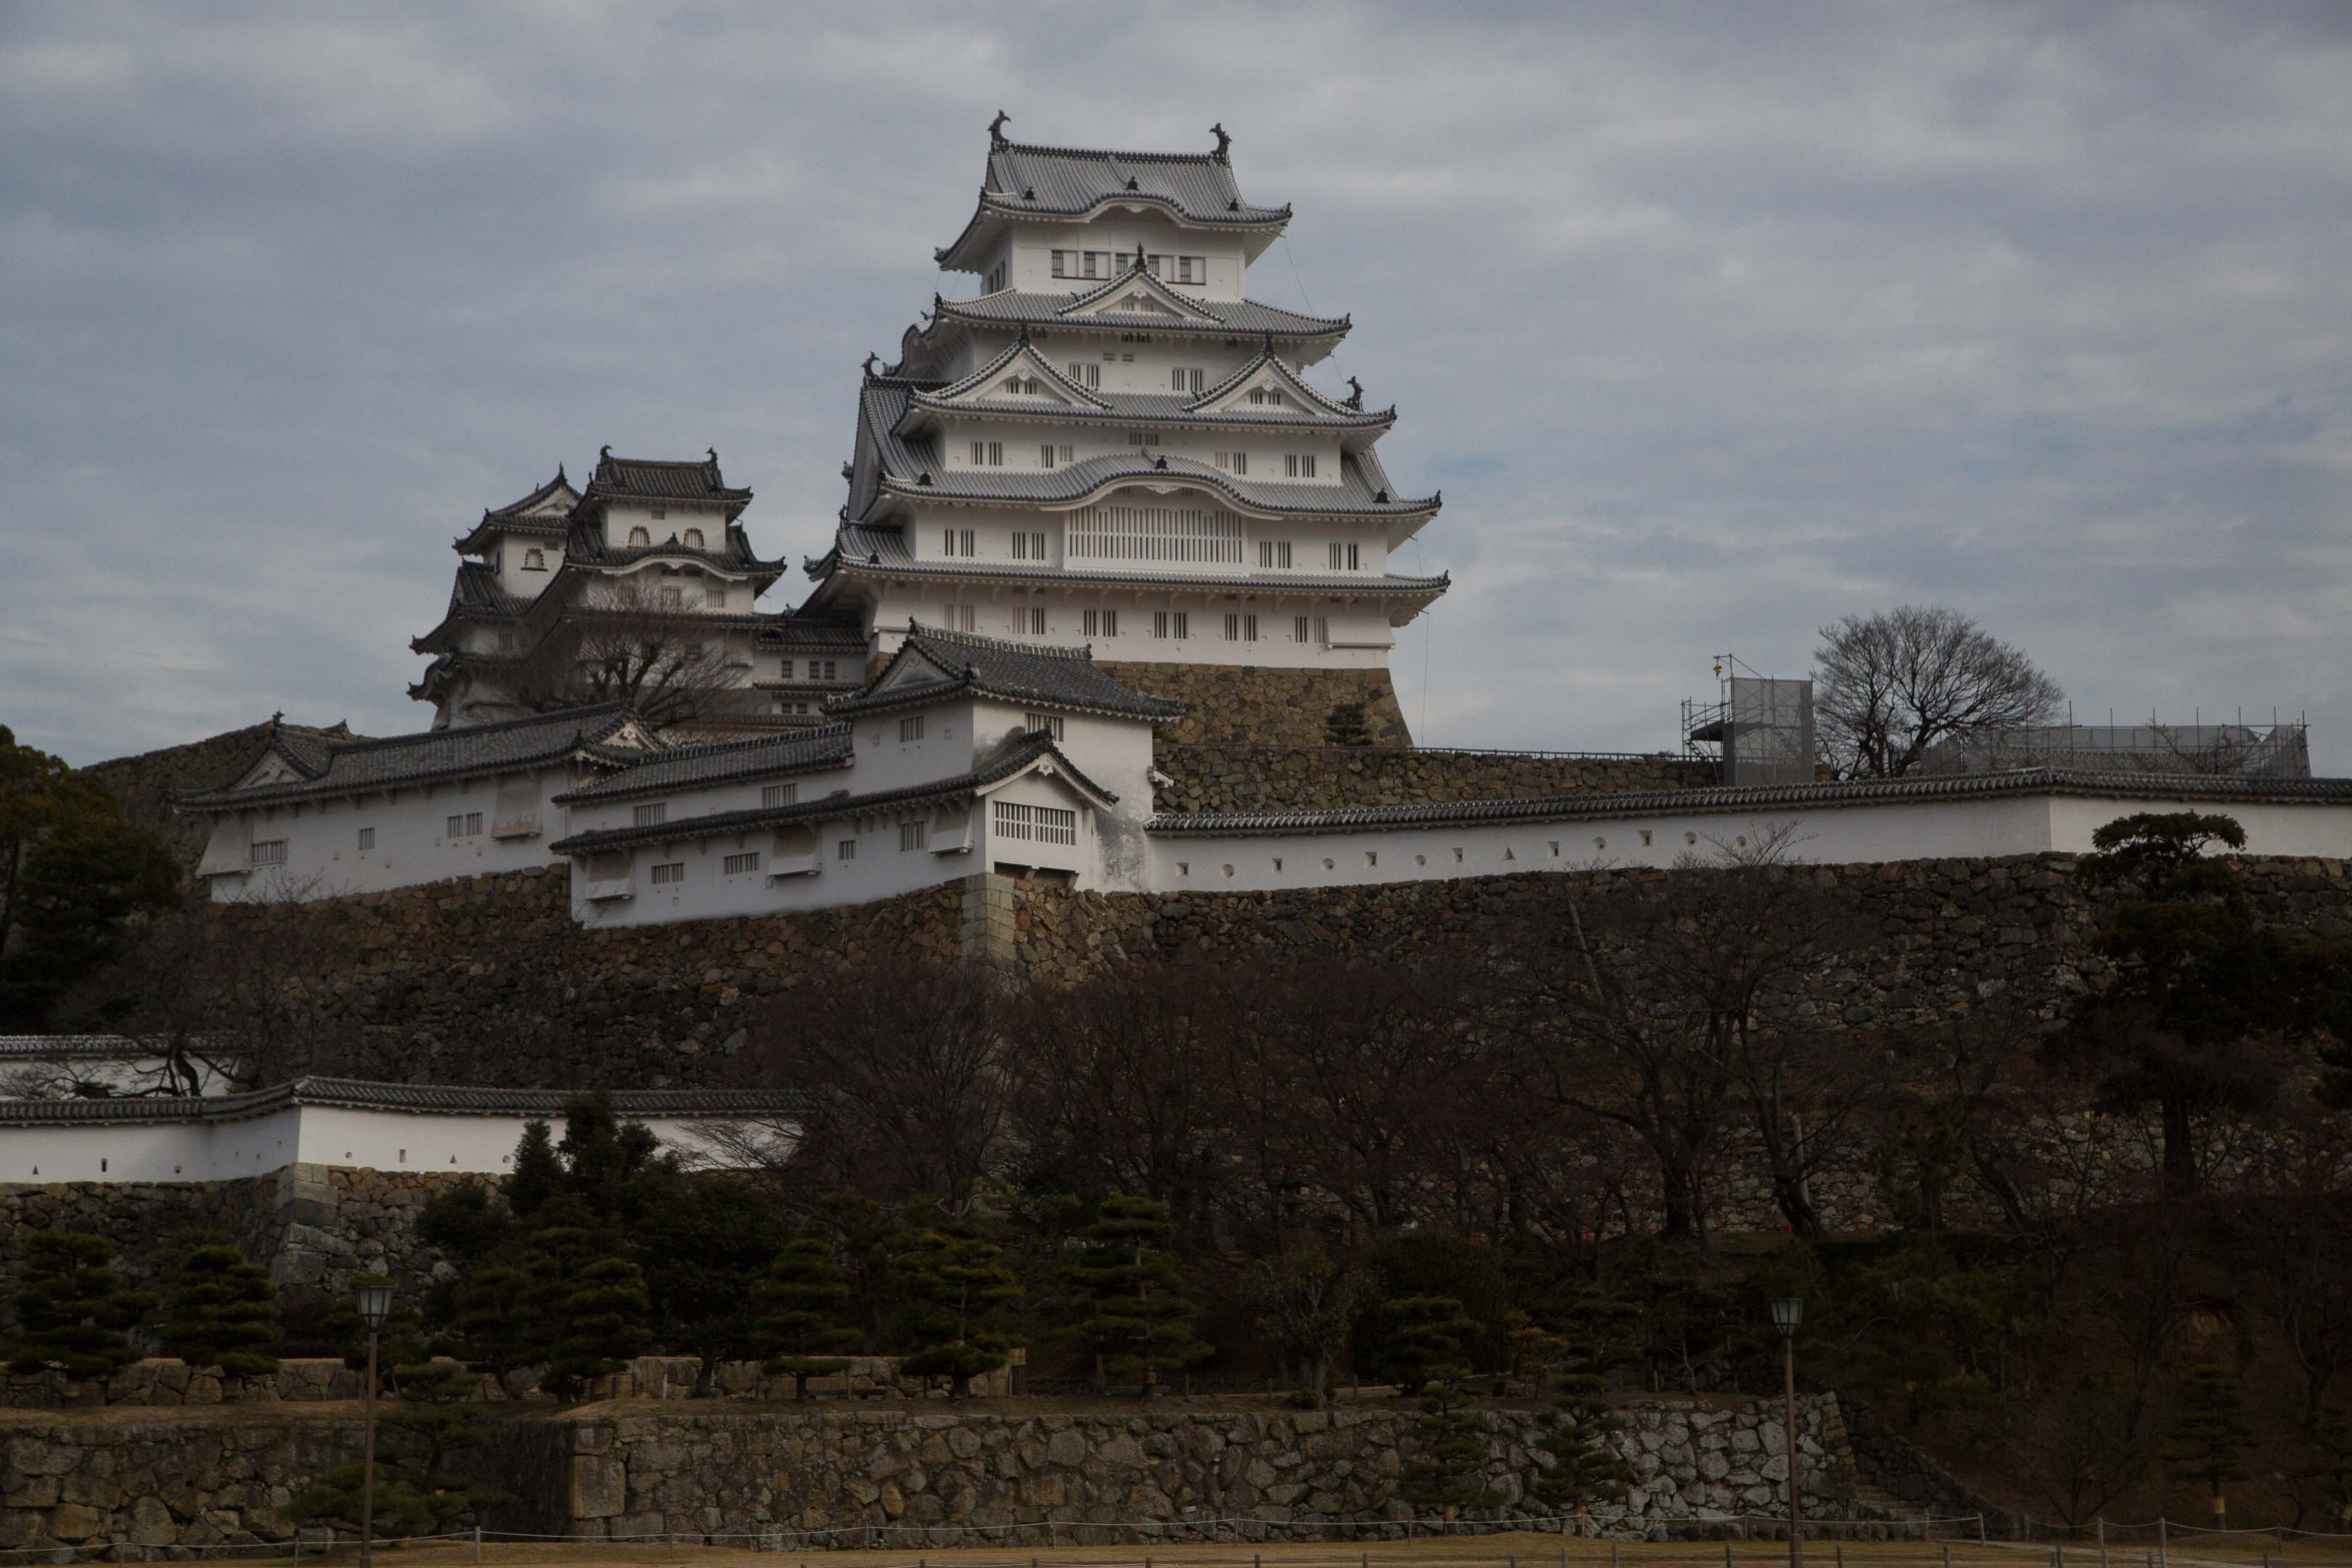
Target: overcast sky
1714, 323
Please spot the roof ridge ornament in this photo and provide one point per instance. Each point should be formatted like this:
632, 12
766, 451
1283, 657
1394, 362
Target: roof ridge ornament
1223, 141
996, 129
870, 358
1355, 392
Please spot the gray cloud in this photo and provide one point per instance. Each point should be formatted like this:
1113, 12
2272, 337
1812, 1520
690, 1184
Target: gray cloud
1715, 323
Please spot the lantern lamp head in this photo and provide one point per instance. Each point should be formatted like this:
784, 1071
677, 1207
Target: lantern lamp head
374, 1302
1788, 1312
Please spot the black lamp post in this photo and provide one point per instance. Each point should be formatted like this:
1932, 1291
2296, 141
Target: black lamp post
374, 1302
1788, 1312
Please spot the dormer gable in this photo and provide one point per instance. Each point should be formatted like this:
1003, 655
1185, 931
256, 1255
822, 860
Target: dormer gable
1266, 384
1019, 376
1138, 296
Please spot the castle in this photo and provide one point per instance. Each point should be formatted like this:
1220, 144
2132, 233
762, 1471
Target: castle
1095, 509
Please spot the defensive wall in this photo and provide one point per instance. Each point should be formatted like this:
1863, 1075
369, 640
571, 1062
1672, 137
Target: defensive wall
1264, 705
896, 1475
1242, 777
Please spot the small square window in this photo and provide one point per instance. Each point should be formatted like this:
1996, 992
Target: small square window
367, 837
847, 849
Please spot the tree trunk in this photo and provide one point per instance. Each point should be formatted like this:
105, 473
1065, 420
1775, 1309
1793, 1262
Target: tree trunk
2179, 1151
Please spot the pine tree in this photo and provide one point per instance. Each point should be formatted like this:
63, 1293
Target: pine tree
801, 1302
221, 1312
599, 1312
1346, 725
960, 1293
1140, 1324
496, 1319
1427, 1340
1579, 1431
420, 1489
2210, 1434
2327, 1466
538, 1173
71, 1308
1449, 1473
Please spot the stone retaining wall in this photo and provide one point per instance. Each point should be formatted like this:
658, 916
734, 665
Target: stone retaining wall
1259, 705
893, 1477
1235, 777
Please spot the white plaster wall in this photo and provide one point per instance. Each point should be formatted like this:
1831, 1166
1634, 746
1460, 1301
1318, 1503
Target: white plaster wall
1024, 440
412, 844
622, 516
880, 870
1032, 246
707, 800
2272, 829
513, 550
1360, 630
306, 1134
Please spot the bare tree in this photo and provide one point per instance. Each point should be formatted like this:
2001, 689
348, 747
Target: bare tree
900, 1074
623, 642
1887, 686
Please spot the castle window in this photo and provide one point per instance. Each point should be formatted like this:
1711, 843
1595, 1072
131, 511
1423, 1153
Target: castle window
959, 541
367, 837
1045, 456
828, 669
1298, 465
912, 728
1049, 722
1347, 557
673, 598
1143, 437
1191, 269
669, 873
914, 835
464, 825
1234, 462
988, 454
1273, 552
962, 617
847, 849
1035, 824
736, 865
1240, 628
659, 513
1084, 375
1029, 621
694, 539
772, 795
271, 851
652, 816
534, 560
787, 669
1645, 839
639, 536
1101, 623
1029, 547
715, 598
1186, 378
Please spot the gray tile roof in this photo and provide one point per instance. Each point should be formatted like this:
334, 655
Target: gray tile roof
1018, 672
794, 633
647, 479
557, 489
1227, 318
585, 549
1029, 181
681, 767
1129, 407
340, 767
864, 547
440, 1099
475, 594
1752, 797
1016, 756
906, 461
75, 1047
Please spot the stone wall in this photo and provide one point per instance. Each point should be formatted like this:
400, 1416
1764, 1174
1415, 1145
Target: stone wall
888, 1478
313, 1225
1236, 777
1262, 706
893, 1477
181, 1480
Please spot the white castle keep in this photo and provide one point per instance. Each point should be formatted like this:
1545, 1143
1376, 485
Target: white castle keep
1096, 505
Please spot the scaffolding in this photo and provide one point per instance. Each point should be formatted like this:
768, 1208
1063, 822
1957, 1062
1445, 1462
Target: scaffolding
1758, 730
2279, 750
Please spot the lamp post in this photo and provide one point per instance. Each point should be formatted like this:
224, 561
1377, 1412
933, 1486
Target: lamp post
1788, 1312
374, 1302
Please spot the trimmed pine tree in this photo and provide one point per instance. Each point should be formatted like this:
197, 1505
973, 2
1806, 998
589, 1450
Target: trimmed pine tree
799, 1303
960, 1295
221, 1312
71, 1308
1141, 1324
2210, 1434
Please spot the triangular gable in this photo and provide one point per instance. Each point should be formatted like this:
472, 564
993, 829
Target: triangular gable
1043, 385
1138, 296
629, 734
1267, 371
1052, 767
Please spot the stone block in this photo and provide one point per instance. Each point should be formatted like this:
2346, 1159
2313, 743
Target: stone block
75, 1521
599, 1486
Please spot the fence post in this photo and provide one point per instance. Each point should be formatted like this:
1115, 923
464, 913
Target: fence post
1613, 1552
1726, 1552
1948, 1554
1980, 1527
2163, 1555
478, 1544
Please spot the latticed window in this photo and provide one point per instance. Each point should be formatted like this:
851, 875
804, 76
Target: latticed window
1126, 532
669, 873
652, 816
1035, 824
1049, 722
736, 865
780, 795
268, 852
914, 835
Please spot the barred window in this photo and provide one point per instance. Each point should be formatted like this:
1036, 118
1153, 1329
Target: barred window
914, 835
847, 849
736, 865
1126, 532
912, 728
652, 816
715, 598
1035, 824
1049, 722
669, 872
1273, 552
1099, 623
780, 795
367, 837
534, 560
268, 852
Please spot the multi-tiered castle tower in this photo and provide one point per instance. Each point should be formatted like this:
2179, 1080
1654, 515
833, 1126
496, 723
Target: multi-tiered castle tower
1113, 445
